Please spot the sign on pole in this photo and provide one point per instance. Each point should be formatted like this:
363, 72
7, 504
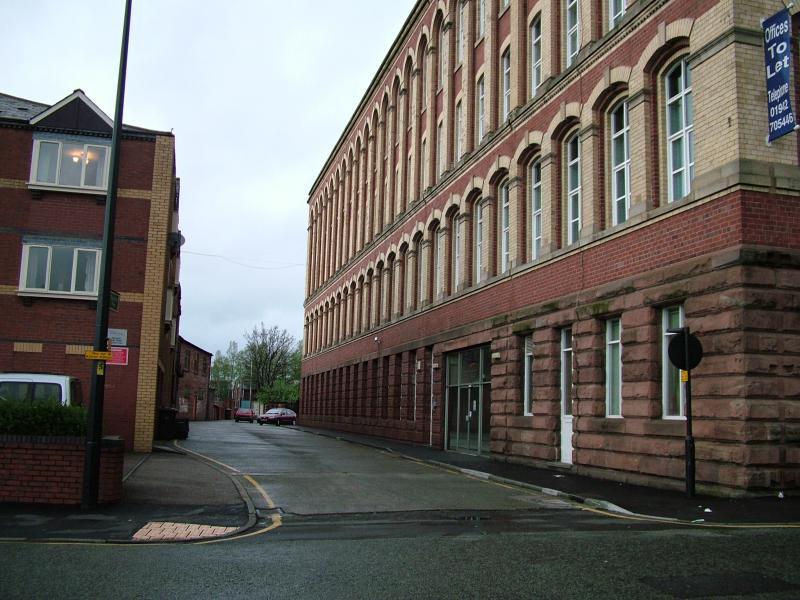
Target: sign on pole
778, 63
119, 356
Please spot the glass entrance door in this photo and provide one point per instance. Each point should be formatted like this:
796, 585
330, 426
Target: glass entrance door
467, 405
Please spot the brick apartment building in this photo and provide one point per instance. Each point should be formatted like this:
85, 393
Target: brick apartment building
54, 163
528, 196
194, 376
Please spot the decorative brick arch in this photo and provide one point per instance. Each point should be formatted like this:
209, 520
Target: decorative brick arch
613, 82
665, 42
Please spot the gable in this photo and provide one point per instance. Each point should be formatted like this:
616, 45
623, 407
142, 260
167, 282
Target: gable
75, 115
75, 112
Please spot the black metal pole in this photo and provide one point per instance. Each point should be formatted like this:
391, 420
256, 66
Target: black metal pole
91, 470
689, 436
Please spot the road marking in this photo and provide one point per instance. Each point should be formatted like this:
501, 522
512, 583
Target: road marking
672, 521
222, 464
276, 522
261, 491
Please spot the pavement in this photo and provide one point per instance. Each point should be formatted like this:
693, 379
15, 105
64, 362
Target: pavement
172, 495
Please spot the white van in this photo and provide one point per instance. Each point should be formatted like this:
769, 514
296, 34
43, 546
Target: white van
40, 387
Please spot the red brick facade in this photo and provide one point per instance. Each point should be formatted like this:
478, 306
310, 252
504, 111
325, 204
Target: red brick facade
417, 254
194, 375
46, 332
35, 470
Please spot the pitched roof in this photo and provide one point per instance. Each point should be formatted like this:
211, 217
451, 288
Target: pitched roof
76, 111
20, 109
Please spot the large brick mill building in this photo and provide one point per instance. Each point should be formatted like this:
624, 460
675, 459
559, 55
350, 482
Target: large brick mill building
54, 163
528, 196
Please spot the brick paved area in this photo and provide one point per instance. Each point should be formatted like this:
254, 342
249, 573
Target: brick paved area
162, 530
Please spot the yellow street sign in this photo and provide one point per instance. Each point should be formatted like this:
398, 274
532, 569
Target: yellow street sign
97, 355
684, 376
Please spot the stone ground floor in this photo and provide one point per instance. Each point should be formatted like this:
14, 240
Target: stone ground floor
584, 382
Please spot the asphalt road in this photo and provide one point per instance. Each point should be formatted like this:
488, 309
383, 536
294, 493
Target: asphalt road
359, 523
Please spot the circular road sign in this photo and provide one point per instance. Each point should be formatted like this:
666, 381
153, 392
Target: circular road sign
676, 351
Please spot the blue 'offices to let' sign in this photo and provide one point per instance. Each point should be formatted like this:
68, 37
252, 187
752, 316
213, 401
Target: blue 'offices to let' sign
778, 62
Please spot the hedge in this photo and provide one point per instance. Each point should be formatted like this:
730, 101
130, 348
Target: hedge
48, 419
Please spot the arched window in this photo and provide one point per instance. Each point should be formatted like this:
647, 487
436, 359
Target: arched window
573, 30
479, 238
505, 228
461, 34
536, 54
480, 109
680, 130
535, 199
418, 274
616, 10
620, 163
440, 149
573, 167
439, 253
424, 166
505, 69
459, 139
456, 253
442, 62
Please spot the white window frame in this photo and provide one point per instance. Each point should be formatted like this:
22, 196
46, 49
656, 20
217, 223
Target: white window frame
425, 181
667, 367
459, 140
613, 367
456, 227
527, 379
26, 290
616, 10
481, 18
442, 59
536, 54
34, 183
573, 193
479, 206
440, 256
566, 380
440, 149
460, 37
535, 195
505, 227
573, 28
481, 112
620, 201
409, 183
686, 132
505, 62
418, 273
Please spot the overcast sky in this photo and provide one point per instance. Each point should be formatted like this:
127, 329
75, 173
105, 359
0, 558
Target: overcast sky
256, 92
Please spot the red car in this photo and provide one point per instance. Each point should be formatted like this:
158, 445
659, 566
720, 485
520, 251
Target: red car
244, 414
278, 416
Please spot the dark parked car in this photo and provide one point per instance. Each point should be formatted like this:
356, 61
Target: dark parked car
244, 414
278, 416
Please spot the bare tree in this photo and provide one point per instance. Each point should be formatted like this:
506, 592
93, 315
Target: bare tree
269, 351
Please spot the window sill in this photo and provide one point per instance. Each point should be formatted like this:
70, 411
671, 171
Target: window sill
66, 188
59, 295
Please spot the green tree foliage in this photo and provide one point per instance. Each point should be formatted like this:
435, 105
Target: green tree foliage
226, 369
269, 361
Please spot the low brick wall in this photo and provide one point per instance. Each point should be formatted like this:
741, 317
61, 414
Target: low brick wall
49, 470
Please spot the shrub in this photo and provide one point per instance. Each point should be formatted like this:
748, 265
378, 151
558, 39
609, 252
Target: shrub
49, 419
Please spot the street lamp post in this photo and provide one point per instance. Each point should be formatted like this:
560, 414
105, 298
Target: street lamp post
94, 430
